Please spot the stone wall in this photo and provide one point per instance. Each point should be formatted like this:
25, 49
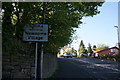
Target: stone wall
18, 67
50, 65
23, 66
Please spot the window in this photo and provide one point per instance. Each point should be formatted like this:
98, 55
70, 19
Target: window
113, 50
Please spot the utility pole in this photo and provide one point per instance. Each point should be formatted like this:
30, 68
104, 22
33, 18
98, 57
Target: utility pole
118, 36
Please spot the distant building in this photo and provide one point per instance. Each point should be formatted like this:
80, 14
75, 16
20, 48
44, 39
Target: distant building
61, 51
67, 49
111, 51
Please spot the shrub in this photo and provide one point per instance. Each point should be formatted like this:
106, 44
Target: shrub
104, 56
117, 57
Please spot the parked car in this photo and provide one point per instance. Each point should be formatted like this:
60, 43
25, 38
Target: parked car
67, 55
84, 55
74, 54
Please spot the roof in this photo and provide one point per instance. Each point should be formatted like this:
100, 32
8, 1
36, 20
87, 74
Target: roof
108, 49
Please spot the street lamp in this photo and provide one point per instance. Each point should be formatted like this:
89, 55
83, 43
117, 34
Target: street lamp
118, 36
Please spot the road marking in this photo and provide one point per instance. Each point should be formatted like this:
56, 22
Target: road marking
115, 69
100, 65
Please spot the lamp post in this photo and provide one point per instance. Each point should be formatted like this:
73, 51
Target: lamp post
118, 36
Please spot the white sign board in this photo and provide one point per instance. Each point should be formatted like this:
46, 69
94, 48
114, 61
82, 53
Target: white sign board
39, 32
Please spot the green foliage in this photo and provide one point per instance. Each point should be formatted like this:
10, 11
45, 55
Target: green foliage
82, 44
101, 47
62, 18
118, 44
94, 47
104, 56
89, 49
82, 48
117, 56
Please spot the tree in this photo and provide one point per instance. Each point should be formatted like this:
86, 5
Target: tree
117, 44
62, 18
101, 47
94, 47
81, 49
89, 49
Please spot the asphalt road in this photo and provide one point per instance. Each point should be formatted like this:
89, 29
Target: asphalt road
87, 68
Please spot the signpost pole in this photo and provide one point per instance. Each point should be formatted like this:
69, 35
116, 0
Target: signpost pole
42, 62
42, 43
36, 53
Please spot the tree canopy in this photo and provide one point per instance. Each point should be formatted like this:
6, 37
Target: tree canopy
62, 18
101, 47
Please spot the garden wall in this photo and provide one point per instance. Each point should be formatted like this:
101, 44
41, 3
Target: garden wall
23, 66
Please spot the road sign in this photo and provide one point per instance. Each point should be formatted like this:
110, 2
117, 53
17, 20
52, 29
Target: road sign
38, 33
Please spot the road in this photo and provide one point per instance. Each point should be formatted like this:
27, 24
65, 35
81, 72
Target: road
87, 68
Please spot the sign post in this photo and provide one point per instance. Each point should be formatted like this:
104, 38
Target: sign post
36, 53
37, 33
41, 62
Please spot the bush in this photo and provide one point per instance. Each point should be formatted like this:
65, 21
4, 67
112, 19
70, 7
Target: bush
117, 57
110, 56
104, 56
59, 55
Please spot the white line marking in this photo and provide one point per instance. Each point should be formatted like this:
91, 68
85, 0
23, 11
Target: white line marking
100, 65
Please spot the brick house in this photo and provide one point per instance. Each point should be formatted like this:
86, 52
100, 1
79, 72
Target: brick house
111, 51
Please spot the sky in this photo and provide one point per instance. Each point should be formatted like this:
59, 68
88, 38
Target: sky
99, 29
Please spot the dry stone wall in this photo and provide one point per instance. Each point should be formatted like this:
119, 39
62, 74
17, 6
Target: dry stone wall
23, 66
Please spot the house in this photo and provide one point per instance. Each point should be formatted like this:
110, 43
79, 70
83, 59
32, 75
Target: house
111, 51
67, 49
